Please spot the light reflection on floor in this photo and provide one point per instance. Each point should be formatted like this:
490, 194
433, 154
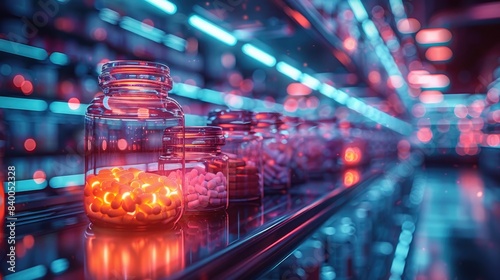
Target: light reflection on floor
458, 231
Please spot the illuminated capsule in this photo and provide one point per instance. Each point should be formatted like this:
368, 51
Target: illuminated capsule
147, 209
153, 187
147, 198
116, 212
128, 203
95, 206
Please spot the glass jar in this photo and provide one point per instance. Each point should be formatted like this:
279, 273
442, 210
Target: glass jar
275, 152
123, 142
206, 168
329, 132
291, 124
311, 153
244, 149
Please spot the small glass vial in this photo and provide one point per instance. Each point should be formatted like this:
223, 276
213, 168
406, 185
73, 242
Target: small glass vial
123, 142
206, 168
244, 149
275, 152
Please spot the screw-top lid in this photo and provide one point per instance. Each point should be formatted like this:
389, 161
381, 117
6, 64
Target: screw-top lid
231, 119
136, 73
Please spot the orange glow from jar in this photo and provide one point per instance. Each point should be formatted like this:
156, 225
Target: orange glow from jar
351, 177
352, 155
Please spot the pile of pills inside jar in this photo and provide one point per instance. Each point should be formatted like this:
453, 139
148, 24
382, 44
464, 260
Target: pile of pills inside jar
204, 190
276, 166
131, 197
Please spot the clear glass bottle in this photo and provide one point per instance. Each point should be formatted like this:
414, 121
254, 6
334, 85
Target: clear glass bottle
329, 132
311, 153
275, 152
123, 142
206, 168
244, 149
291, 124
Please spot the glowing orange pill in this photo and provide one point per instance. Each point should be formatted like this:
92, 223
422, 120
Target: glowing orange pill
128, 204
156, 209
116, 212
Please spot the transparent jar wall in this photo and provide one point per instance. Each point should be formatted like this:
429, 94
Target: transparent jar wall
311, 151
123, 132
244, 150
291, 124
205, 185
276, 152
205, 234
329, 132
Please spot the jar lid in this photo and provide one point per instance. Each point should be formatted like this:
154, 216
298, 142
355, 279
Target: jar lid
266, 119
194, 136
135, 73
231, 119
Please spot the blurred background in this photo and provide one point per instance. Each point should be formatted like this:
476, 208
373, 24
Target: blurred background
426, 74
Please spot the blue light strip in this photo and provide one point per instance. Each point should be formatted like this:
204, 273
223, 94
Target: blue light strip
213, 30
141, 29
310, 81
164, 5
288, 70
109, 16
26, 185
259, 55
174, 42
35, 272
59, 58
23, 50
66, 181
381, 50
22, 104
59, 107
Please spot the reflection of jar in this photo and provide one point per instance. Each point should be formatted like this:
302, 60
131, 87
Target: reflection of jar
311, 154
244, 218
275, 151
123, 134
205, 181
204, 234
126, 255
354, 147
244, 149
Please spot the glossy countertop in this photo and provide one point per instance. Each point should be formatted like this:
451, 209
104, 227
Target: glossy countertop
57, 242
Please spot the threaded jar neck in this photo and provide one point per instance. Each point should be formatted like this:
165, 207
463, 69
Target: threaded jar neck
135, 76
231, 120
195, 139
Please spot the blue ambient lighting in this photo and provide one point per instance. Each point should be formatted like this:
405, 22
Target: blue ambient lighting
258, 55
164, 5
35, 272
22, 50
288, 70
358, 9
66, 181
27, 185
59, 58
23, 104
109, 16
213, 30
141, 29
310, 81
174, 42
59, 107
59, 266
